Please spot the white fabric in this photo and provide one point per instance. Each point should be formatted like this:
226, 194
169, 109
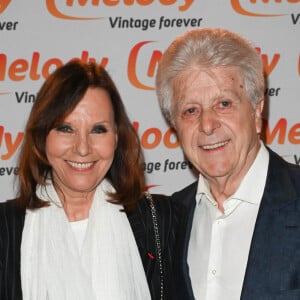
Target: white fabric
79, 230
108, 268
219, 244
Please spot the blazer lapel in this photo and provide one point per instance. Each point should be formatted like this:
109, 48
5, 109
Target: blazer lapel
185, 206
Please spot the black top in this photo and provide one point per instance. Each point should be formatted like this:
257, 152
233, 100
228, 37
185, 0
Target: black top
11, 227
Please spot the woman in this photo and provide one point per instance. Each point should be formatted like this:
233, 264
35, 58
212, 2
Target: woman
80, 180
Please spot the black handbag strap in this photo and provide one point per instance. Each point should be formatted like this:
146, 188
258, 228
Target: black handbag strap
157, 242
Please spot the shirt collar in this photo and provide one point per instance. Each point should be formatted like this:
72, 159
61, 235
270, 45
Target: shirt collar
255, 177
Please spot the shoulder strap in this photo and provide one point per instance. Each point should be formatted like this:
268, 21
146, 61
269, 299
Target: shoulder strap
157, 242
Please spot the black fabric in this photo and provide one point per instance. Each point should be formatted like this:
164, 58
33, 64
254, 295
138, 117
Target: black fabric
273, 267
142, 226
11, 227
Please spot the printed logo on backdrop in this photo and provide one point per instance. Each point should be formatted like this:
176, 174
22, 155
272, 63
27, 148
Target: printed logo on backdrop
6, 25
3, 5
81, 9
138, 70
9, 144
37, 67
90, 10
268, 8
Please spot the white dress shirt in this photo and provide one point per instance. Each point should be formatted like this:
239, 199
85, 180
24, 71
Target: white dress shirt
220, 242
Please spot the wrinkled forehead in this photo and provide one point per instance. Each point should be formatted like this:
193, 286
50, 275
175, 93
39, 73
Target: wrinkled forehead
198, 80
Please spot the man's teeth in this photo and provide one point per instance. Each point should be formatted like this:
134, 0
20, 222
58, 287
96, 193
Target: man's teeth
80, 165
214, 146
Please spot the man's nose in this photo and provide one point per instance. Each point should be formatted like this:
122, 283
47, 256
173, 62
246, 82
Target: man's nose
208, 121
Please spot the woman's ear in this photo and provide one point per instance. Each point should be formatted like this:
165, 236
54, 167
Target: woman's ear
116, 137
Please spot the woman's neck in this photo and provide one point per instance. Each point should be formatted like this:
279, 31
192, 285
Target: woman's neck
76, 205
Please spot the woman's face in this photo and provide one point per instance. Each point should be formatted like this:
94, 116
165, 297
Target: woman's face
81, 148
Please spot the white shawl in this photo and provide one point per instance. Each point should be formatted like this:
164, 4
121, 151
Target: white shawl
109, 266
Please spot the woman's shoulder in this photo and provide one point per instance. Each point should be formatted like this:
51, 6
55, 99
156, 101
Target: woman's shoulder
11, 216
10, 206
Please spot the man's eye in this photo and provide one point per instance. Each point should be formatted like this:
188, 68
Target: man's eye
223, 106
190, 111
225, 103
99, 129
64, 128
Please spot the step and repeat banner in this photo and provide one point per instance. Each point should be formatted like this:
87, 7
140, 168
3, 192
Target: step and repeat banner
128, 38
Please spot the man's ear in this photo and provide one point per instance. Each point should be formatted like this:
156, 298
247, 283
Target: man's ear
258, 115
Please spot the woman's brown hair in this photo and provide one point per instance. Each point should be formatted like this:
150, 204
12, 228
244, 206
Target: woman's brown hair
58, 96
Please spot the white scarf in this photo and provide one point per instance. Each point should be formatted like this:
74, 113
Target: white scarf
109, 267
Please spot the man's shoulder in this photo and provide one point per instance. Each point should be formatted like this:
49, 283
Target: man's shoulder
144, 211
159, 201
279, 163
186, 195
283, 180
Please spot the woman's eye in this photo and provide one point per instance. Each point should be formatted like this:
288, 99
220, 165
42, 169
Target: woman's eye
99, 129
64, 128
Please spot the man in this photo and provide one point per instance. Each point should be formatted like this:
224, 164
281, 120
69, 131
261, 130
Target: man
240, 230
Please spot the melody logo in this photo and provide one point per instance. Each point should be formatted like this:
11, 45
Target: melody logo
252, 7
3, 5
132, 65
36, 67
65, 10
10, 143
282, 132
54, 11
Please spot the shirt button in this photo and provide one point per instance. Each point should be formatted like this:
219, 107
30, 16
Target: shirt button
214, 272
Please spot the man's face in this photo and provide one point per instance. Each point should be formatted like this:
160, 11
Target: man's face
217, 126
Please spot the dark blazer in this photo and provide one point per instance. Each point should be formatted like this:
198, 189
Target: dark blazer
273, 268
11, 227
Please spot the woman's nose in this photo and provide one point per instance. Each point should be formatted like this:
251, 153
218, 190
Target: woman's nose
82, 145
